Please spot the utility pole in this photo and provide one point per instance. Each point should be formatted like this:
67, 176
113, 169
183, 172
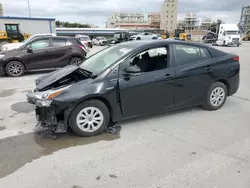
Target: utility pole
29, 8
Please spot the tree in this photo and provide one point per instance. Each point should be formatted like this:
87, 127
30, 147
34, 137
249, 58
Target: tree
212, 27
71, 25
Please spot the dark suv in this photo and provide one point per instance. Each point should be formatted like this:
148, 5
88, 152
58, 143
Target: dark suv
42, 53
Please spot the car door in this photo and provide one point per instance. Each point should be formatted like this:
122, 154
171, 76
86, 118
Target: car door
38, 54
193, 74
60, 52
150, 90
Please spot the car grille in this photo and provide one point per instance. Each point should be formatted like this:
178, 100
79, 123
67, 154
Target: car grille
235, 40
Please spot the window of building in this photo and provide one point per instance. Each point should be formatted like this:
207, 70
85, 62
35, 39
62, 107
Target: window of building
185, 54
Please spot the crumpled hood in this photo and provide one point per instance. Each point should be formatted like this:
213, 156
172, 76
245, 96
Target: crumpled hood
54, 76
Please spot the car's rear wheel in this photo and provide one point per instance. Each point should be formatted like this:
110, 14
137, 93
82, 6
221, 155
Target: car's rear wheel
75, 61
89, 118
15, 68
216, 96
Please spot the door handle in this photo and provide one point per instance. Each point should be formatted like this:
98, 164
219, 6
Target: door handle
168, 76
208, 68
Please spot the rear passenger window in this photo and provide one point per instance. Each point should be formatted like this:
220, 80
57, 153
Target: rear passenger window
60, 42
185, 54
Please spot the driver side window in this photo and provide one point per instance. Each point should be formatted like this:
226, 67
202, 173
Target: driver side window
149, 60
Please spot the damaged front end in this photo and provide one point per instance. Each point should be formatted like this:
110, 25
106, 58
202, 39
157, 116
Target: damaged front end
52, 115
49, 115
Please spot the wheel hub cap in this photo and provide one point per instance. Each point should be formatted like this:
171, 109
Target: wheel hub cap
15, 69
217, 96
89, 119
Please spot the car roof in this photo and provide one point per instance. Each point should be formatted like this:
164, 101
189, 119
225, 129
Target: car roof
56, 37
160, 42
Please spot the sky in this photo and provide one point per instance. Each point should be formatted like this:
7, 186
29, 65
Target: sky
96, 11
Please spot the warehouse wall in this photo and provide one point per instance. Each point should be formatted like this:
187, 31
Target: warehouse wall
31, 26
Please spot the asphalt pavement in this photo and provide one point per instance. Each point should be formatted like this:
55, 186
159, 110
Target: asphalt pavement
191, 148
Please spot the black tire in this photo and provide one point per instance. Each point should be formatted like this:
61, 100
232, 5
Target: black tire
19, 67
208, 104
75, 60
96, 104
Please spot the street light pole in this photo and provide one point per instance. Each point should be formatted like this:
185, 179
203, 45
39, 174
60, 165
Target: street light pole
29, 7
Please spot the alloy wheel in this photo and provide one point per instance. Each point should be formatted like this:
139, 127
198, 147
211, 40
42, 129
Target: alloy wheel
89, 119
15, 69
217, 96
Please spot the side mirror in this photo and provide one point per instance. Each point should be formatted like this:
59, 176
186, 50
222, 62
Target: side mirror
29, 49
133, 70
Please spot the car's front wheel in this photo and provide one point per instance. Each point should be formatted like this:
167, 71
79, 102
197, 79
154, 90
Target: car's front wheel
15, 68
216, 96
89, 118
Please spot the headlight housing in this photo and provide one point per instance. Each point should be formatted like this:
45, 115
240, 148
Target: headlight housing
50, 94
44, 98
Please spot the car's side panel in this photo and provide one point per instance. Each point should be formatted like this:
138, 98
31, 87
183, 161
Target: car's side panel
192, 83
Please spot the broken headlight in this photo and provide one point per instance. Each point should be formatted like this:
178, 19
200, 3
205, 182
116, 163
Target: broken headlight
44, 98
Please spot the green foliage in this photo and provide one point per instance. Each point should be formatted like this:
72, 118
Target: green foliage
71, 25
215, 26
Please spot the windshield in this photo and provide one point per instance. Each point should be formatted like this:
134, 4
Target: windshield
105, 58
232, 32
117, 35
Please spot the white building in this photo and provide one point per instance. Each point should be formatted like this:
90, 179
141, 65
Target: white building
128, 21
30, 25
191, 21
169, 11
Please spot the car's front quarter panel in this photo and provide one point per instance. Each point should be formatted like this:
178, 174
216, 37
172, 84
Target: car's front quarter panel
104, 90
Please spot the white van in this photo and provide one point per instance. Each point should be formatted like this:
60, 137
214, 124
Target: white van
229, 34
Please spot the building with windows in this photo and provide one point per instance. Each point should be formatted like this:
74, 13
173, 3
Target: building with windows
191, 22
204, 23
169, 11
154, 20
128, 21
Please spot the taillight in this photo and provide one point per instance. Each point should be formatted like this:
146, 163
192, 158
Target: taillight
236, 58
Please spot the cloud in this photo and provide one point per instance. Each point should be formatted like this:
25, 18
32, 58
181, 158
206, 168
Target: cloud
97, 11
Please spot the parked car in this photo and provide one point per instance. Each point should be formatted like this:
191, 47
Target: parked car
84, 39
42, 53
144, 36
131, 79
102, 41
11, 46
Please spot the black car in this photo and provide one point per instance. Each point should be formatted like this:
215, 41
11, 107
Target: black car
42, 53
133, 79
